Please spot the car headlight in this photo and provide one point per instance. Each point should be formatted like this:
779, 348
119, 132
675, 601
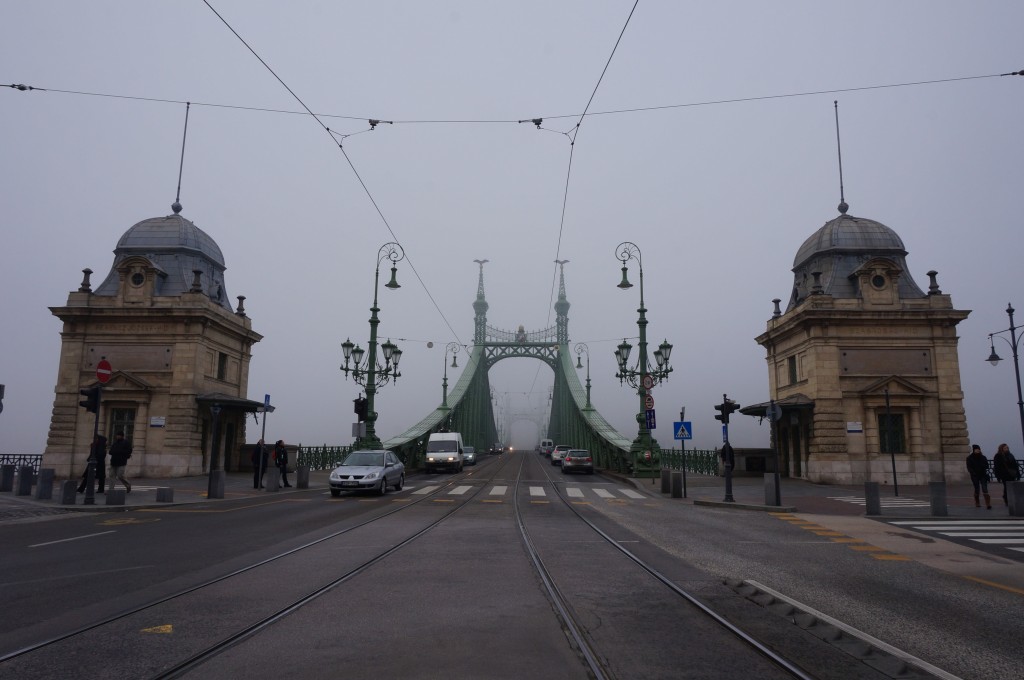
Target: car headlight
372, 475
430, 459
335, 476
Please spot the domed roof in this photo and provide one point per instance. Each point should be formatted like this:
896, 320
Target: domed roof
847, 233
838, 249
172, 232
176, 248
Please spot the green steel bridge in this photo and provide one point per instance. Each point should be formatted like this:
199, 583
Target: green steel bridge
468, 409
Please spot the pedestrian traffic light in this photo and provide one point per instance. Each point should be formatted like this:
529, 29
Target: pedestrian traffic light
726, 407
91, 403
360, 408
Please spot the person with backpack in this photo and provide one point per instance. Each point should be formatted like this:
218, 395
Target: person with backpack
1005, 468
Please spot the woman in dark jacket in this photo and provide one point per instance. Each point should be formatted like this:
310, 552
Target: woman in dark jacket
1005, 467
98, 454
977, 466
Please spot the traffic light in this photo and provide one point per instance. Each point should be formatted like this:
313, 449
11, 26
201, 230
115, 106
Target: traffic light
360, 408
91, 403
726, 407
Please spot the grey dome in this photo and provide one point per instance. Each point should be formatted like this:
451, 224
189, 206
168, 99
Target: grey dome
838, 249
176, 247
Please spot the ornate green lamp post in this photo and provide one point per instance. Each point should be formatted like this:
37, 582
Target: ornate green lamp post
452, 347
994, 358
580, 349
643, 376
373, 373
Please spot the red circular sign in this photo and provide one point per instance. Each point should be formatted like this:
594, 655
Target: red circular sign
648, 402
103, 371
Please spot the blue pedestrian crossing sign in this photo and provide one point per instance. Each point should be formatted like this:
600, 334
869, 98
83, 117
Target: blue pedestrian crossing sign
682, 430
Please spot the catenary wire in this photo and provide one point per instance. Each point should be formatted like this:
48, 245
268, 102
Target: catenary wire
359, 177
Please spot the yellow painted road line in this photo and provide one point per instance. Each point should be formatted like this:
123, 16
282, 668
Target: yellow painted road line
213, 510
866, 548
539, 502
581, 502
488, 500
826, 532
891, 557
443, 500
982, 581
847, 540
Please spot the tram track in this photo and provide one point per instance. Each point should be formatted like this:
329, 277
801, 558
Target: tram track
589, 651
182, 667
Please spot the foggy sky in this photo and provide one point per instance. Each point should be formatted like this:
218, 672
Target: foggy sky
718, 196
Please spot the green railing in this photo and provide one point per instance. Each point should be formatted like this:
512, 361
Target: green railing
321, 457
701, 461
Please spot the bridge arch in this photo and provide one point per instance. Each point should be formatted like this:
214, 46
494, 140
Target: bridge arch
470, 411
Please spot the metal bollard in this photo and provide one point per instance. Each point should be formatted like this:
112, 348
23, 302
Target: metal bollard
872, 499
677, 484
25, 481
215, 485
1015, 498
165, 494
44, 487
6, 478
665, 480
68, 492
937, 494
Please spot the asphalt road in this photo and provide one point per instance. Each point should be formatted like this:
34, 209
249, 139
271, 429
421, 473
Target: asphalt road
463, 599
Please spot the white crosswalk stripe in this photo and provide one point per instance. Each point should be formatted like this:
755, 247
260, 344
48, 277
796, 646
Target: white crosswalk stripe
574, 492
426, 490
892, 502
604, 493
1004, 532
459, 490
537, 491
498, 490
630, 493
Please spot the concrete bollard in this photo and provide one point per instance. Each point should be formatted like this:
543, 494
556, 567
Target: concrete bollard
44, 487
937, 495
302, 477
165, 494
666, 480
272, 479
1015, 498
6, 477
677, 484
25, 481
115, 496
872, 499
771, 488
68, 492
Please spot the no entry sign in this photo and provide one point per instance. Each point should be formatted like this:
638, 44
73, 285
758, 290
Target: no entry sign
103, 371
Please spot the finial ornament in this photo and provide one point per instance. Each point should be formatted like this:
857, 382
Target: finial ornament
843, 206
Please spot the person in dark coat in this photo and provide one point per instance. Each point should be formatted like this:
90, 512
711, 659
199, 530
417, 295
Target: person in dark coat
281, 460
120, 452
977, 466
1005, 467
259, 464
97, 454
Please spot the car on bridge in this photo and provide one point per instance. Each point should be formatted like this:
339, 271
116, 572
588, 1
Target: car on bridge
546, 447
469, 455
578, 460
558, 453
368, 470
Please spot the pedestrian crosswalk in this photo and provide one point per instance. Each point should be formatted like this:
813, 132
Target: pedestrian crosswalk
1006, 533
886, 502
574, 493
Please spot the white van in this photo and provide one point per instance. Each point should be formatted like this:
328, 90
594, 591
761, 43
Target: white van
546, 446
444, 451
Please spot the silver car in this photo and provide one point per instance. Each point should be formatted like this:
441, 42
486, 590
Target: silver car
558, 453
469, 455
374, 470
578, 460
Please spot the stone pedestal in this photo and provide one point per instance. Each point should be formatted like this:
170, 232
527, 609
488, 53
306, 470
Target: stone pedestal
44, 487
937, 495
7, 478
872, 498
25, 481
302, 477
677, 484
68, 492
272, 480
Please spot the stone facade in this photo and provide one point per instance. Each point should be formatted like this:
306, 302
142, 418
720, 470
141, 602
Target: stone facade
866, 371
174, 352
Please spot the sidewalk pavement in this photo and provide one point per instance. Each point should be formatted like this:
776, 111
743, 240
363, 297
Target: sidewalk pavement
797, 495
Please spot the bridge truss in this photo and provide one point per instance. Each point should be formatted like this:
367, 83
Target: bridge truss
469, 408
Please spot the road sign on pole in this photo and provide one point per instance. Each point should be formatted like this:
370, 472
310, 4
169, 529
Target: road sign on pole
682, 429
648, 402
103, 371
648, 382
649, 413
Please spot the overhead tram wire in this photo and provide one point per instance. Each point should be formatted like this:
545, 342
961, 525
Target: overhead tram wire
347, 159
503, 121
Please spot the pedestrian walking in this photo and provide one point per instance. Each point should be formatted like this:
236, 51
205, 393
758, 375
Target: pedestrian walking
977, 466
281, 460
259, 464
120, 452
98, 455
1005, 467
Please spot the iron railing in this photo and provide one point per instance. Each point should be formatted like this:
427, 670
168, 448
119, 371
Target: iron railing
20, 460
701, 461
321, 457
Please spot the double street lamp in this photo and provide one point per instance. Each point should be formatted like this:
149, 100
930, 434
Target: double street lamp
642, 376
452, 347
373, 374
994, 359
